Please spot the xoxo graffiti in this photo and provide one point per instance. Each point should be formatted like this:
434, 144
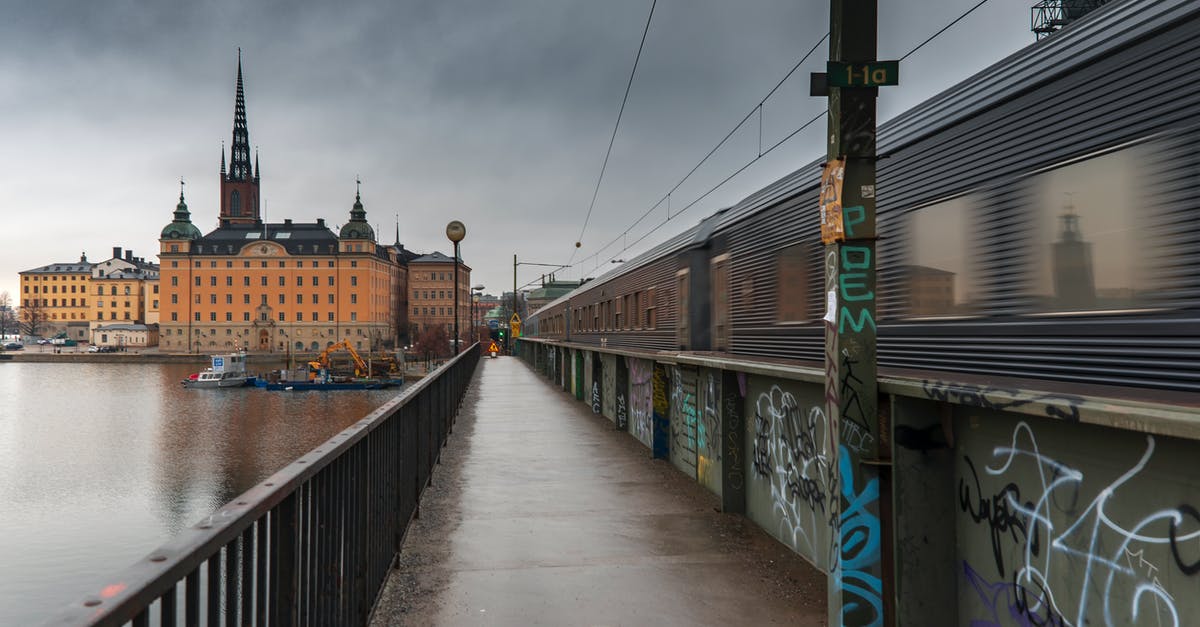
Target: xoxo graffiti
1061, 406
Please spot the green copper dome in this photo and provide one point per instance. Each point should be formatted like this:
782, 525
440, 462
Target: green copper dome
181, 227
357, 227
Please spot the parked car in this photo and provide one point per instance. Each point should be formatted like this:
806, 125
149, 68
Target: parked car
42, 340
13, 346
94, 349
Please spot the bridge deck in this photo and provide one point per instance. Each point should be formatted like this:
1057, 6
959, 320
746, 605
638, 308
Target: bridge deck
542, 513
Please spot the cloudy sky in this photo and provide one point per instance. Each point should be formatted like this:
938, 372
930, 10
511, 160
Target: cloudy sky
496, 113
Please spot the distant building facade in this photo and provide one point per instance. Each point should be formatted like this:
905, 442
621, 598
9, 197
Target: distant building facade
278, 286
126, 336
73, 297
432, 295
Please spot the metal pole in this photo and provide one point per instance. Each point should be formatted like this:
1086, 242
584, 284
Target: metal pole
861, 537
455, 298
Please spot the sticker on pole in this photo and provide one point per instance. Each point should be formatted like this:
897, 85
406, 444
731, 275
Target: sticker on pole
832, 229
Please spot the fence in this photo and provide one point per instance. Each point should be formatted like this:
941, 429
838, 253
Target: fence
310, 545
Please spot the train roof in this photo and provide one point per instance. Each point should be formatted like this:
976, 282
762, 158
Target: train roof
1109, 28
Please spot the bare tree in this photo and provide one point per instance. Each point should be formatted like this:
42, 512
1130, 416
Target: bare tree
434, 341
33, 316
8, 322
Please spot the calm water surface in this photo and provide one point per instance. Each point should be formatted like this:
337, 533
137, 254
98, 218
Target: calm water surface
100, 463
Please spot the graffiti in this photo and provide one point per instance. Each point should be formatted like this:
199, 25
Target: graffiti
854, 289
733, 440
995, 512
1186, 567
595, 397
862, 589
708, 432
684, 416
789, 452
1085, 569
1027, 608
999, 398
641, 399
622, 410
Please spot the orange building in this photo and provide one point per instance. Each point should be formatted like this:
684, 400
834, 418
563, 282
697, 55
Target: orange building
274, 286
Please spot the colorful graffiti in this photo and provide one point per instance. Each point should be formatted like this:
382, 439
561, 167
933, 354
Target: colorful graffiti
684, 419
708, 431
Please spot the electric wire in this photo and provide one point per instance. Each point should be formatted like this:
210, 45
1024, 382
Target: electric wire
620, 113
762, 153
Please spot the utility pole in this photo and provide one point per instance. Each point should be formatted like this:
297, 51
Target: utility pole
861, 586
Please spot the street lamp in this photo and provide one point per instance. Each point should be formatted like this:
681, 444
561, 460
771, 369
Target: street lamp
476, 292
456, 231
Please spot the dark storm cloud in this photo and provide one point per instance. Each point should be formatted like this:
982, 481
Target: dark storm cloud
495, 113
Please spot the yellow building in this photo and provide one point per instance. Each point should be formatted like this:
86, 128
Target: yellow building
54, 299
121, 290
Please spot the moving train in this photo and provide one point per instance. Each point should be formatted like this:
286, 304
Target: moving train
1039, 220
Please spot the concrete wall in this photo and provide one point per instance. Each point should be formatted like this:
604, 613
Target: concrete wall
1007, 507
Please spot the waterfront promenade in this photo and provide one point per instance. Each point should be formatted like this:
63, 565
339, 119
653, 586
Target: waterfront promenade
541, 513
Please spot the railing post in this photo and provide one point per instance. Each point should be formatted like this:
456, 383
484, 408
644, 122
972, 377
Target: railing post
283, 562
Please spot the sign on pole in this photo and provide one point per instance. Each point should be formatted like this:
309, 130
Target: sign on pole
832, 228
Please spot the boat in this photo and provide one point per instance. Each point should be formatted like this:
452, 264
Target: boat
301, 379
226, 371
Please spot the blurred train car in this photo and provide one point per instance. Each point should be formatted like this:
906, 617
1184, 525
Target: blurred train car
1040, 220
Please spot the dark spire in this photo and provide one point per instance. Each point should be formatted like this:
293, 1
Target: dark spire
239, 157
257, 170
397, 230
222, 158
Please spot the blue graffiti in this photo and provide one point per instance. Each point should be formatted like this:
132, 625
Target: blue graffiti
1026, 607
862, 590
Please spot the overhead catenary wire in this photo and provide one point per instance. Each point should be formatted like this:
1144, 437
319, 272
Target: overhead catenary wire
624, 234
612, 139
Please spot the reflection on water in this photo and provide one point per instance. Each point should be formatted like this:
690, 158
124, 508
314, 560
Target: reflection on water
100, 463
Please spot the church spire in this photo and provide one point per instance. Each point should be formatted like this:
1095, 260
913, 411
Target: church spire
240, 184
222, 159
239, 158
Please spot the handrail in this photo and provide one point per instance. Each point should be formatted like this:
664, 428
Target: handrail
316, 538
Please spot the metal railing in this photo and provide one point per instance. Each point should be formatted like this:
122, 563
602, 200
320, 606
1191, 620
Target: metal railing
310, 545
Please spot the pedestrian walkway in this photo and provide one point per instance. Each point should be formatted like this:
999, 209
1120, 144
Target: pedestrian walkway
541, 513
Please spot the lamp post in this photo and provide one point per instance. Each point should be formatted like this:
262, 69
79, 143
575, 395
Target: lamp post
456, 231
476, 292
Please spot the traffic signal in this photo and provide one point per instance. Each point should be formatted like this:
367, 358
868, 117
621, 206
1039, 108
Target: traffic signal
502, 334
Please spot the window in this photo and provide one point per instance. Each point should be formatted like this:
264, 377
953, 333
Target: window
683, 337
416, 294
246, 281
174, 282
354, 299
353, 316
282, 281
353, 281
212, 281
282, 316
156, 288
299, 281
299, 299
229, 316
245, 299
263, 281
299, 317
651, 307
331, 316
197, 281
282, 299
197, 315
212, 300
174, 316
314, 317
353, 263
229, 299
331, 299
720, 302
331, 281
212, 316
155, 305
416, 311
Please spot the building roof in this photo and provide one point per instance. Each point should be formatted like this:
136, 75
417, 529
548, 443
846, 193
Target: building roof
298, 238
123, 327
69, 267
131, 273
437, 257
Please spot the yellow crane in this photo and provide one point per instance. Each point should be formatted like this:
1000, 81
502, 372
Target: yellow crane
322, 360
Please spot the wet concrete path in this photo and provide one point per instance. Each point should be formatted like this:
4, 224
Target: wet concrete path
541, 513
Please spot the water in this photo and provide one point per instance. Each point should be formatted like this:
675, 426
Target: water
101, 463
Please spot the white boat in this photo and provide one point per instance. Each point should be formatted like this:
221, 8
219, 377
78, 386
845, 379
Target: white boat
227, 371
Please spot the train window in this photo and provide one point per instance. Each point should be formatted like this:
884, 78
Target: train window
650, 308
720, 302
792, 276
595, 319
635, 314
1090, 228
941, 277
681, 327
630, 312
617, 314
